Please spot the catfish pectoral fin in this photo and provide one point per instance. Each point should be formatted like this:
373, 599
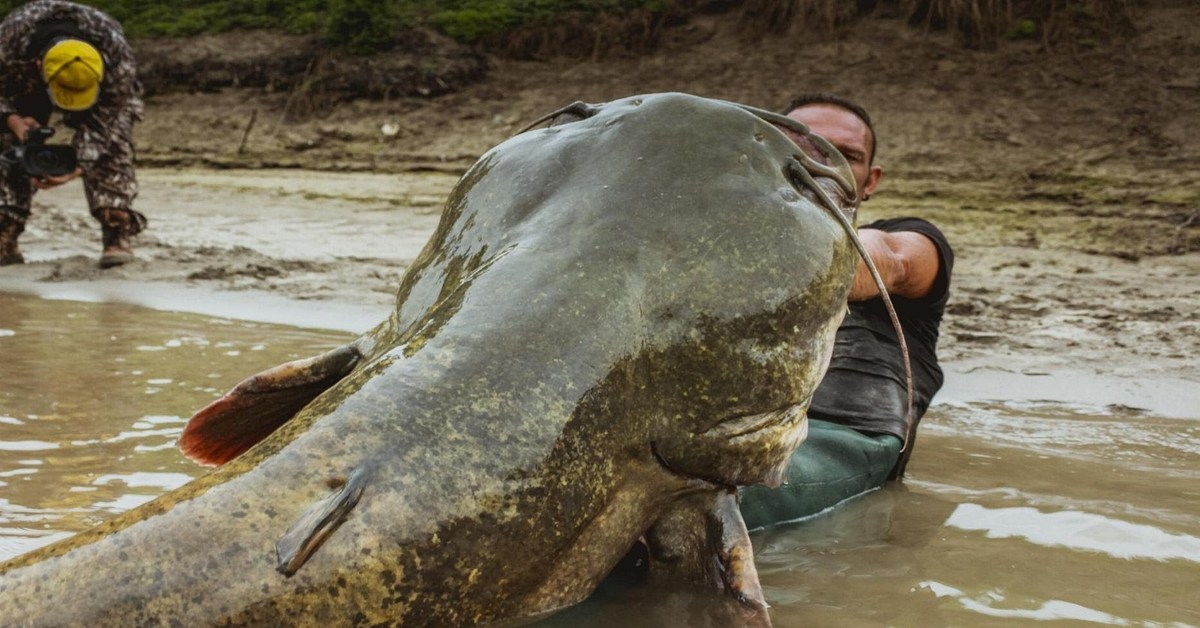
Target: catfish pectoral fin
736, 554
227, 427
702, 538
316, 524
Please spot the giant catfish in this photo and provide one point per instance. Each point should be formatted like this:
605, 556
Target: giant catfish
620, 318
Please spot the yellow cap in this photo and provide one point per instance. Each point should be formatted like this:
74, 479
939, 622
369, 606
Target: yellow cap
73, 70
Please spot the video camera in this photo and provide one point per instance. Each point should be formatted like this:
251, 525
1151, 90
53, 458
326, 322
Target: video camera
39, 159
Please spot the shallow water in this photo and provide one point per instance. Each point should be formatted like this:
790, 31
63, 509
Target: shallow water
1015, 512
1011, 514
93, 396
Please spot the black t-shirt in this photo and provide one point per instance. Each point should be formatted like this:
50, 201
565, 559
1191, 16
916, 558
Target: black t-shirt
865, 385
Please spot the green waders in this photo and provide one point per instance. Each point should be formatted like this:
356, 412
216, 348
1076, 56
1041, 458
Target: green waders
832, 465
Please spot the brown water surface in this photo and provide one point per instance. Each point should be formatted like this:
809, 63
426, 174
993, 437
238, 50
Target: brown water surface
93, 396
1015, 512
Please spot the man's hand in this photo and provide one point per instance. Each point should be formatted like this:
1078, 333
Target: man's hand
20, 125
45, 183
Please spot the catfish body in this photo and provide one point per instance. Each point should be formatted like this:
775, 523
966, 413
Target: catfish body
620, 318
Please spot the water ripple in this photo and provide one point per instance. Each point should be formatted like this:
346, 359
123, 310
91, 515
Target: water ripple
1050, 610
26, 445
1078, 531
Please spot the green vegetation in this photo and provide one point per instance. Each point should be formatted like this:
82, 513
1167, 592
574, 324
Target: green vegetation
360, 26
473, 20
364, 26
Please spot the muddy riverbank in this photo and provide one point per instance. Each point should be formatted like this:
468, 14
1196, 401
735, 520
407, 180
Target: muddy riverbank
1064, 177
327, 250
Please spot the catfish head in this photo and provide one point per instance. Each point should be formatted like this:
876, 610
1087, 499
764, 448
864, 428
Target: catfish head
746, 289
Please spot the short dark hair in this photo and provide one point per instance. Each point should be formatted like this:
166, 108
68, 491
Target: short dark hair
820, 98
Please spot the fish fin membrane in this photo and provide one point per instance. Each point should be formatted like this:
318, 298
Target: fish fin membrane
315, 525
227, 427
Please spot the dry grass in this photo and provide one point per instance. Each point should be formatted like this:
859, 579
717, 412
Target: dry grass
596, 34
591, 36
981, 23
779, 16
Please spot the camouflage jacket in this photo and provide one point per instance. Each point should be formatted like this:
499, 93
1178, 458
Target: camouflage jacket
28, 30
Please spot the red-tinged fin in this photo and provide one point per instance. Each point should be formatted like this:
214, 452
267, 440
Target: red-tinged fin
227, 427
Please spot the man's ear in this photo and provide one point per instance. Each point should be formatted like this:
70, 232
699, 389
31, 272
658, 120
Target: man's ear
873, 177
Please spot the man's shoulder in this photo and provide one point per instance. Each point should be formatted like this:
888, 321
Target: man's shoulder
945, 253
905, 223
922, 226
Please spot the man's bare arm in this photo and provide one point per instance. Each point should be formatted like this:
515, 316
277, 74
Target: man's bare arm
907, 261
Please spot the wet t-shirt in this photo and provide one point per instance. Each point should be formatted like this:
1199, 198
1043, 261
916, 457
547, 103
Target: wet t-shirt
865, 385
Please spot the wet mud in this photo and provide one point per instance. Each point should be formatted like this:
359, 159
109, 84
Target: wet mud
310, 241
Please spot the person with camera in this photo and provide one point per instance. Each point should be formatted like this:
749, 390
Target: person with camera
58, 56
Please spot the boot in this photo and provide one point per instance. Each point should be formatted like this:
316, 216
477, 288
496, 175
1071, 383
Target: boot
10, 230
116, 227
116, 248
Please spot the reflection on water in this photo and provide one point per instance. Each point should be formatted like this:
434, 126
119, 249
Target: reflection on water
1078, 531
93, 397
1049, 610
1014, 513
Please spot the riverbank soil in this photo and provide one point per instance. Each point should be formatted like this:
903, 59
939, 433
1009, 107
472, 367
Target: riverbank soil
1064, 177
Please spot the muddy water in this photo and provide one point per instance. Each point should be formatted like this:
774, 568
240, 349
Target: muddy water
93, 396
1016, 511
1013, 513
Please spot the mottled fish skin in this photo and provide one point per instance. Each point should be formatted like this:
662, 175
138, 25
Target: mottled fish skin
614, 314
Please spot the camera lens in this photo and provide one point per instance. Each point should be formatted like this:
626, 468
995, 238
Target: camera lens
50, 161
45, 159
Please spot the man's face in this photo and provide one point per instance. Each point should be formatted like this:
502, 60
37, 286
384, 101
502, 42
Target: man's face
849, 134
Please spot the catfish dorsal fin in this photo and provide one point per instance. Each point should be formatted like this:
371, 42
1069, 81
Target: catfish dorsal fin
255, 408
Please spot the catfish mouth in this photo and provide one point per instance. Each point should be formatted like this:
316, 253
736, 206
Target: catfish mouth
740, 450
754, 425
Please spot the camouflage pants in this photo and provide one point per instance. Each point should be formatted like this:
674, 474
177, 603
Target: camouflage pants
109, 181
